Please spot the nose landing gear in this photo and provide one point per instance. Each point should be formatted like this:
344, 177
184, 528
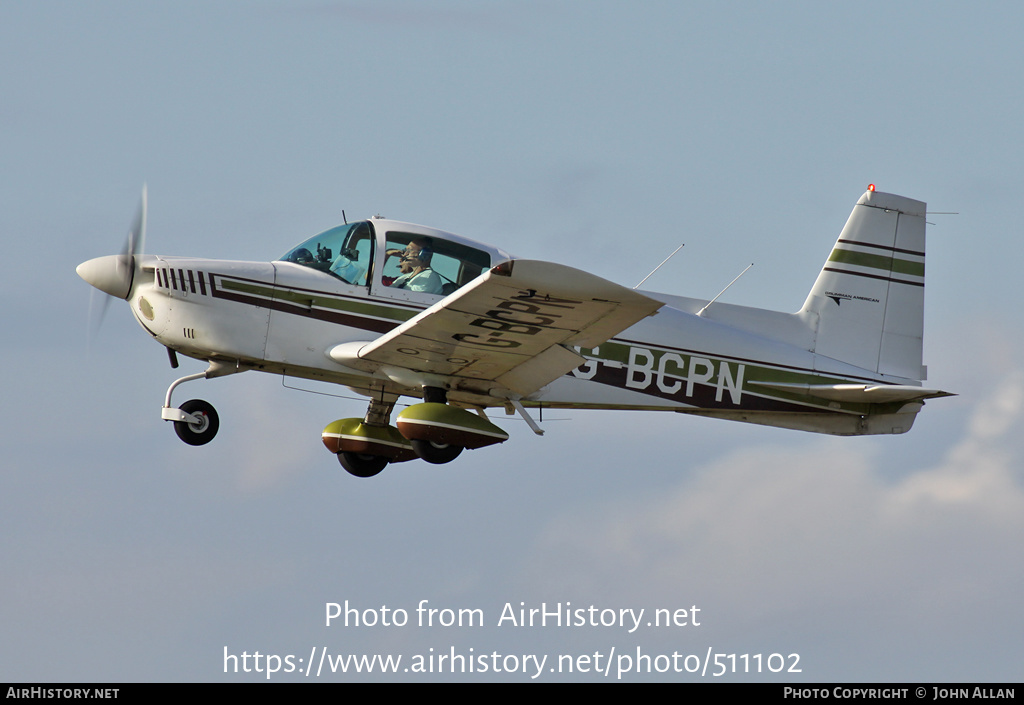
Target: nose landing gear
196, 421
203, 428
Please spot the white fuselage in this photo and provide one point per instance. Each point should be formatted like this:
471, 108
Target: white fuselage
282, 317
392, 309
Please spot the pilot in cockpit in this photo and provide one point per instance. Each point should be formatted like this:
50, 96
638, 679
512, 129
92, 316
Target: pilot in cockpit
416, 274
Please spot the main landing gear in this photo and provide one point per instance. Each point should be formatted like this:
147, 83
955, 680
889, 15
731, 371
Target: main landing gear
431, 431
362, 464
365, 446
436, 453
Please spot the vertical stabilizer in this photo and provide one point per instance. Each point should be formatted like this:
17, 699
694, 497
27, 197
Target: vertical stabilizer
867, 305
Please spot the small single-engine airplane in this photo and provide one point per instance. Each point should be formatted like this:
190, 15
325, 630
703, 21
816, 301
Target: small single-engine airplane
392, 310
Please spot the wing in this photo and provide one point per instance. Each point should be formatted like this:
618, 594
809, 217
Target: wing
513, 326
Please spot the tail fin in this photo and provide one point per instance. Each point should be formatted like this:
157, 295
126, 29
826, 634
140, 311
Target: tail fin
867, 306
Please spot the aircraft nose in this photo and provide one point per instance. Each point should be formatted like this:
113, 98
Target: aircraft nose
109, 274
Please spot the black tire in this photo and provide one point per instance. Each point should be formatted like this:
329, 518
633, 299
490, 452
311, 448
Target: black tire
201, 433
436, 453
362, 465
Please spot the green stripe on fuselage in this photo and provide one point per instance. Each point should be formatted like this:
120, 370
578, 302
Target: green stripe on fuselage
364, 308
317, 299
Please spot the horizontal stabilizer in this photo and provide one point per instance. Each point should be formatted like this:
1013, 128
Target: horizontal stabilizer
859, 393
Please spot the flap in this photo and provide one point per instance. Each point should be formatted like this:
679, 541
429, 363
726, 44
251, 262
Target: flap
513, 325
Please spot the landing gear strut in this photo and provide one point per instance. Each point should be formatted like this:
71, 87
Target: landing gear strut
367, 464
432, 430
365, 446
196, 421
430, 450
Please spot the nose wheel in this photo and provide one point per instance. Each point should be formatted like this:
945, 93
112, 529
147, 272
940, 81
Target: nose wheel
201, 424
196, 421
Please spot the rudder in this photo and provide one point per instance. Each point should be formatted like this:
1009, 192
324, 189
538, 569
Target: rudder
867, 306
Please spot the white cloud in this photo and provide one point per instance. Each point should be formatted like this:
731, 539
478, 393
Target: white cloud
837, 534
978, 473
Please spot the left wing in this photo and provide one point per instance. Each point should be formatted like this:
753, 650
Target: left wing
860, 393
512, 325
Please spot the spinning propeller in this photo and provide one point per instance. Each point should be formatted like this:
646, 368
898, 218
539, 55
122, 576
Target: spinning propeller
115, 274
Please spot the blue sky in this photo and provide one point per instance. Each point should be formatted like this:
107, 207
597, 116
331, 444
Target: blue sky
596, 134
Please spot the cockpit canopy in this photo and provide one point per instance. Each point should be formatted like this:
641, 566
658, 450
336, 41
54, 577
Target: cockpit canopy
351, 253
345, 252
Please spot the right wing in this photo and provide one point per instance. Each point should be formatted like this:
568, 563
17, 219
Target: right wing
513, 325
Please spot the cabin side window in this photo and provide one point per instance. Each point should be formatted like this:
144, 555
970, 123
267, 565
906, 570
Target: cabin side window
345, 252
430, 265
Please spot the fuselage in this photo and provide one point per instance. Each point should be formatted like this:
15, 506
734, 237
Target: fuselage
284, 316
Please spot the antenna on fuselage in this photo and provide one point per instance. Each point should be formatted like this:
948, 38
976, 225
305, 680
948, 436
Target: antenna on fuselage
659, 266
705, 307
343, 216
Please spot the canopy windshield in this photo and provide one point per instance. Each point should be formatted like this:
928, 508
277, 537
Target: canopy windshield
345, 252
